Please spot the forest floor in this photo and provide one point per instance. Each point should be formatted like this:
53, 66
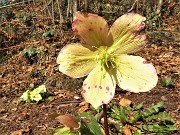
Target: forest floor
20, 72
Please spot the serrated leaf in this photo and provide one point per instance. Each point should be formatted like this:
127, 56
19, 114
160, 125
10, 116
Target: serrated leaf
159, 105
48, 33
165, 117
156, 128
138, 107
138, 132
136, 117
119, 114
152, 110
171, 128
123, 116
150, 118
167, 81
31, 51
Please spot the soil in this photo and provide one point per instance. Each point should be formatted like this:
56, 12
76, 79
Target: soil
19, 73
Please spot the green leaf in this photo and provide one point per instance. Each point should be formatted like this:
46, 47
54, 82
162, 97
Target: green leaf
89, 125
152, 110
119, 114
136, 117
138, 107
50, 98
156, 128
29, 52
123, 116
115, 112
163, 116
24, 18
85, 129
48, 33
64, 131
152, 117
166, 82
138, 132
171, 128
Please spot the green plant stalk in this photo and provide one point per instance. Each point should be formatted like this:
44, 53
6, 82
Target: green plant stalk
105, 119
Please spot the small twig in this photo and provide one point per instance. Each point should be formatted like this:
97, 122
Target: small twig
86, 3
137, 6
6, 119
132, 6
105, 119
15, 4
67, 102
22, 44
52, 8
59, 9
46, 6
68, 9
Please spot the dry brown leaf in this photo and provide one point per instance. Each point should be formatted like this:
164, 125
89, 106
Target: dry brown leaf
24, 114
67, 120
132, 128
84, 106
20, 132
127, 131
125, 102
158, 69
63, 95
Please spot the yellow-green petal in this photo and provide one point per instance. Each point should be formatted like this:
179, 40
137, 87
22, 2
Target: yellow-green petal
25, 95
92, 29
125, 33
35, 97
40, 89
99, 87
76, 61
135, 74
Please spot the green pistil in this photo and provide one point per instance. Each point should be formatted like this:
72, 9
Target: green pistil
105, 58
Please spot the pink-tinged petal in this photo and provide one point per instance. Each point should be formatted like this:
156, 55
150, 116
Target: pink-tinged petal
131, 45
76, 61
100, 87
92, 29
125, 33
134, 74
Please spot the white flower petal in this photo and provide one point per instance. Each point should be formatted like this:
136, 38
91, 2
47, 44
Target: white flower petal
134, 74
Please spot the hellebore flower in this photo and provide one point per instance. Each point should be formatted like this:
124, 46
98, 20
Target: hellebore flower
102, 56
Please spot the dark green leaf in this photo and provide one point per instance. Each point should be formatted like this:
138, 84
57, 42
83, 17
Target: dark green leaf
168, 81
138, 107
89, 125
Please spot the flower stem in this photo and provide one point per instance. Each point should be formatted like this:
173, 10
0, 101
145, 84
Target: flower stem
105, 119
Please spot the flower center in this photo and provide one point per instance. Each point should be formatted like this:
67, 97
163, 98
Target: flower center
105, 58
